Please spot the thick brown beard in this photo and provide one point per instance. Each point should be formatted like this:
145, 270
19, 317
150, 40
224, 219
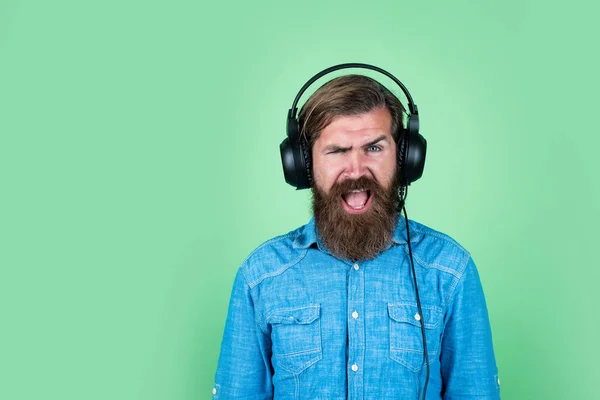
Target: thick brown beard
356, 236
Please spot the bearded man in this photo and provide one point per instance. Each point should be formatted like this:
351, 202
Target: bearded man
328, 310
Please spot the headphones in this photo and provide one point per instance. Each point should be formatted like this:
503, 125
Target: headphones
296, 154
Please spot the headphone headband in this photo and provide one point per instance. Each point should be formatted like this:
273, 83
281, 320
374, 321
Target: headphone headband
411, 105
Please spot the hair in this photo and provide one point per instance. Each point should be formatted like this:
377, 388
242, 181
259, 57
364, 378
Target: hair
344, 96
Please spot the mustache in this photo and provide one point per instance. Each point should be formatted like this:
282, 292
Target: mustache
348, 185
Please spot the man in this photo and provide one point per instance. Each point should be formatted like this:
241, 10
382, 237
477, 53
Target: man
328, 311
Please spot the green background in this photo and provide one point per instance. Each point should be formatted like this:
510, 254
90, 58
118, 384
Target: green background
139, 166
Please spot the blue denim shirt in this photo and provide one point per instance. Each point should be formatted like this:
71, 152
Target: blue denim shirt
303, 324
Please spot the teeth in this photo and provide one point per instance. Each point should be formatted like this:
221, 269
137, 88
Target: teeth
358, 190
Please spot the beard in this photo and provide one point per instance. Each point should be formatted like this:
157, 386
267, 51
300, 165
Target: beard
356, 237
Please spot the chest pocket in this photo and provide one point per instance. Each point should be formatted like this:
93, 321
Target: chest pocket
296, 337
406, 340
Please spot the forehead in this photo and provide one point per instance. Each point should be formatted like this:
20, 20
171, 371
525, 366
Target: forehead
357, 128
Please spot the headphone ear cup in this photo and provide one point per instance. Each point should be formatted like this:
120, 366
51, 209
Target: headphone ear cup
295, 158
401, 151
307, 163
414, 149
288, 162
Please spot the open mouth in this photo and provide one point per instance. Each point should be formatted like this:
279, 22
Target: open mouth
357, 201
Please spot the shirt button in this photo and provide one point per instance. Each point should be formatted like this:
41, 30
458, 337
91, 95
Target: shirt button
354, 367
214, 391
356, 267
354, 315
498, 381
417, 317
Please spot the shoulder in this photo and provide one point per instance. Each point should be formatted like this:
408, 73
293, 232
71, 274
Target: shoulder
273, 256
434, 249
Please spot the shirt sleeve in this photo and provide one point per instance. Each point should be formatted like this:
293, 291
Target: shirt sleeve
244, 370
467, 359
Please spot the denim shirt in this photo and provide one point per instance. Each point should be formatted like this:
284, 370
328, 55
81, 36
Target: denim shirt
303, 324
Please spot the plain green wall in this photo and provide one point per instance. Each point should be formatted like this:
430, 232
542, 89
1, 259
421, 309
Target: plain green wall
139, 166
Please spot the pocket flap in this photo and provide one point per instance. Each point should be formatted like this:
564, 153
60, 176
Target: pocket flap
406, 312
300, 315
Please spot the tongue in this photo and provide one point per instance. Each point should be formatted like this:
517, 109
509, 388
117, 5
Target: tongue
356, 199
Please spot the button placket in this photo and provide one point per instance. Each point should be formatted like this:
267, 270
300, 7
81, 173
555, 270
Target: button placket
356, 330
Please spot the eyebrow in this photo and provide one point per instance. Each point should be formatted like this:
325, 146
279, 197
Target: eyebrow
379, 139
335, 148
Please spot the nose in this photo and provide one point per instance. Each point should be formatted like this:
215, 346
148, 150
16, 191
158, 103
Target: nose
356, 165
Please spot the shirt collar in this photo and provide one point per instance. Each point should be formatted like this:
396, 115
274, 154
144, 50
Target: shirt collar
308, 234
400, 231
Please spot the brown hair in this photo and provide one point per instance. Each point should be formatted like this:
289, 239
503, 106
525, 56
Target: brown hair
343, 96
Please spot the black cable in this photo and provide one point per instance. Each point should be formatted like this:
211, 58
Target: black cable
418, 299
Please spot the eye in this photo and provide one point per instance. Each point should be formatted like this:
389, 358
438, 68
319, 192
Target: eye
373, 148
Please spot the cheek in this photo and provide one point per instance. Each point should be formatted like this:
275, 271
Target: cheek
324, 174
392, 166
385, 170
322, 179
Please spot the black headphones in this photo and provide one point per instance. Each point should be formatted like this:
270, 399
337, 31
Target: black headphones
296, 154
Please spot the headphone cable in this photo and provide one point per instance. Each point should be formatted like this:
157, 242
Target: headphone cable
421, 320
